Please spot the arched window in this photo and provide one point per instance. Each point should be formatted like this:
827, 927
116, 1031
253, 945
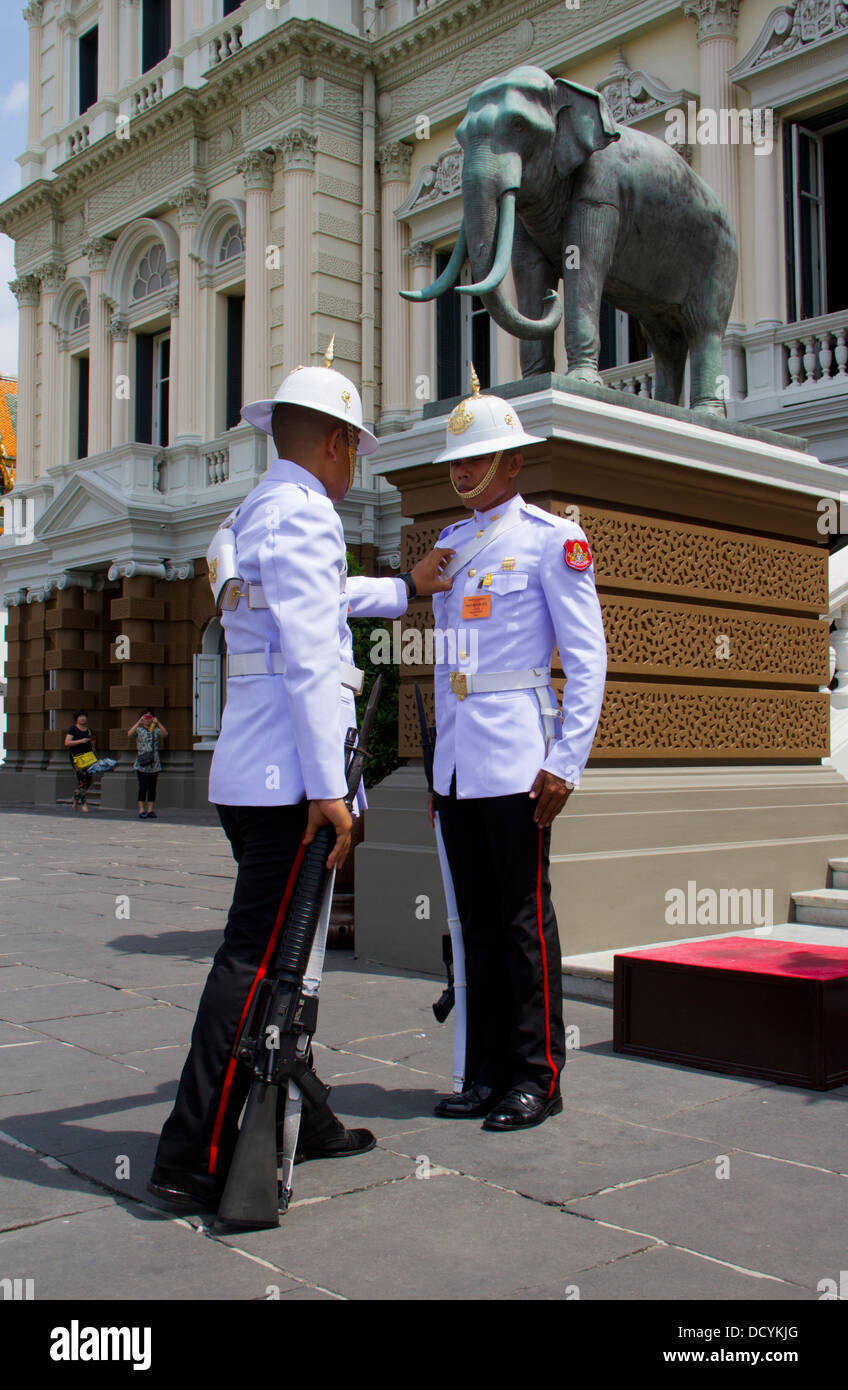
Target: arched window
81, 316
152, 274
232, 244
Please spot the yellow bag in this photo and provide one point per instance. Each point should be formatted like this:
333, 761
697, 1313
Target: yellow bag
82, 761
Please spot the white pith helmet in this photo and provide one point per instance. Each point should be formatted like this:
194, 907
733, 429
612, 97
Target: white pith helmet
483, 425
317, 388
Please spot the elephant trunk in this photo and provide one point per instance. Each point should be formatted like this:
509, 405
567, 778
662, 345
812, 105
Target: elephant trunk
448, 277
489, 223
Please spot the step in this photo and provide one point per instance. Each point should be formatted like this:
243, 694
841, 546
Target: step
838, 873
590, 976
825, 907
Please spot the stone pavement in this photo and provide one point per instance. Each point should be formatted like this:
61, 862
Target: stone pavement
621, 1197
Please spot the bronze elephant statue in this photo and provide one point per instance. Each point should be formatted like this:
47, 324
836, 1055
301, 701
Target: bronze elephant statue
550, 181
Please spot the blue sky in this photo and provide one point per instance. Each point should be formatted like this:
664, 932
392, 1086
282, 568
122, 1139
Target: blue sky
14, 45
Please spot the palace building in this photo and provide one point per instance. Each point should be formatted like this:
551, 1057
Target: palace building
211, 190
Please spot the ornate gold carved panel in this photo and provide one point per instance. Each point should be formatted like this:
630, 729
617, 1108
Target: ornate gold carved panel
679, 721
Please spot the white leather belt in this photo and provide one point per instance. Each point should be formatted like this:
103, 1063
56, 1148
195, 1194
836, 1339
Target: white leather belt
464, 683
256, 664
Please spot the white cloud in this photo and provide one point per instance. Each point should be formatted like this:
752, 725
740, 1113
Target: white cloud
15, 99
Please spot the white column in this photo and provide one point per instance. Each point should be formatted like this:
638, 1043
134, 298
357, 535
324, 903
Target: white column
298, 155
717, 26
33, 16
107, 49
119, 333
26, 291
98, 251
178, 30
420, 327
257, 171
394, 160
190, 202
176, 366
51, 277
130, 22
768, 220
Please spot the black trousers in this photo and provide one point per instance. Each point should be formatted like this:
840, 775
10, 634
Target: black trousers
499, 863
201, 1133
147, 785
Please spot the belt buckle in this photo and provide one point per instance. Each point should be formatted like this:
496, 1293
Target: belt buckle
459, 684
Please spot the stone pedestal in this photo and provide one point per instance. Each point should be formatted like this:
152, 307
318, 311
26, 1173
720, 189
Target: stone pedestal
712, 577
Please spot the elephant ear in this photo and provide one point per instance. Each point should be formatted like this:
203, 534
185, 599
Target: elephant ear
584, 124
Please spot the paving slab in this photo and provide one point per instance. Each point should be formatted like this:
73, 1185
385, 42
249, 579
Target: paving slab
670, 1275
73, 999
113, 1034
39, 1190
127, 1252
569, 1156
783, 1122
767, 1215
27, 1069
445, 1237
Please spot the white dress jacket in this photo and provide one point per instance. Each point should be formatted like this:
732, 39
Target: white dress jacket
282, 735
536, 599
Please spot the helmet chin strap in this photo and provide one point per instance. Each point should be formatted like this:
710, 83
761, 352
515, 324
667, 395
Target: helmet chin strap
481, 487
352, 442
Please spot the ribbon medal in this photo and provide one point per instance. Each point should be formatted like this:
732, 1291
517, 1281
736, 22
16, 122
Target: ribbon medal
577, 555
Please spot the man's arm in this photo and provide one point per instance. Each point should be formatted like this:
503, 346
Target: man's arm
389, 598
578, 625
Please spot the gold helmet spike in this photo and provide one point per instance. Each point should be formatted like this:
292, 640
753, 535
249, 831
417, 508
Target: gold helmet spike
330, 353
475, 382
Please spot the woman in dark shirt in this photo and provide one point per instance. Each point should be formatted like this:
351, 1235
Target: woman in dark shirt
80, 739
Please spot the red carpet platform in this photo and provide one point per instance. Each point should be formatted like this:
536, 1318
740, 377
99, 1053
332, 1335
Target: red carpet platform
771, 1009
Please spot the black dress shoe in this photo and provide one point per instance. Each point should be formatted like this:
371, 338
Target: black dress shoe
467, 1105
337, 1145
521, 1110
188, 1191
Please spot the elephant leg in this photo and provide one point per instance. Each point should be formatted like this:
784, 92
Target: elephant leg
534, 276
707, 391
669, 349
590, 235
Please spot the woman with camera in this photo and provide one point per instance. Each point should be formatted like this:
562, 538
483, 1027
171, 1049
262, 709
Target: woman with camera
148, 730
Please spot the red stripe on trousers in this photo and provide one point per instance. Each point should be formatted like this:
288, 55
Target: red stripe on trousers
544, 969
260, 975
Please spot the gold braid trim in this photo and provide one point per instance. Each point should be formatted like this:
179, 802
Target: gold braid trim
481, 487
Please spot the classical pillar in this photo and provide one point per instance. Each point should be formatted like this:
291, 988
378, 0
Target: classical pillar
51, 276
176, 366
768, 219
98, 251
26, 292
185, 373
107, 49
717, 26
420, 326
257, 170
119, 332
129, 20
33, 16
298, 153
394, 160
177, 23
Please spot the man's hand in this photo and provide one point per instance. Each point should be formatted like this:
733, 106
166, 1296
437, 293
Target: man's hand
552, 793
333, 813
426, 575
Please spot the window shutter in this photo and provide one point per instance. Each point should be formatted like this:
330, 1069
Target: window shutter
207, 696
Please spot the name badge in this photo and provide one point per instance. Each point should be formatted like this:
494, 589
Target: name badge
477, 606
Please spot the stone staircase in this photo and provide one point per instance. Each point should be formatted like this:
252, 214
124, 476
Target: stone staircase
819, 916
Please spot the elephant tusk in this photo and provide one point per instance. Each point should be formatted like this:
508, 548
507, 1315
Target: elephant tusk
503, 249
448, 277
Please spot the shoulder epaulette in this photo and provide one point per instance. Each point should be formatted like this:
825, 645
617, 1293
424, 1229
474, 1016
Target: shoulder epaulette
542, 515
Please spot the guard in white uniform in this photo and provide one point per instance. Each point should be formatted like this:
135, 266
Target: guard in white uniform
278, 572
507, 757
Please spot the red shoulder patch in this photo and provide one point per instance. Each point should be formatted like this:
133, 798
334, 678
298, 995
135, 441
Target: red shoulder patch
577, 555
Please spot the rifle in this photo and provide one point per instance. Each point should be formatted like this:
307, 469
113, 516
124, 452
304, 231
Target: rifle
276, 1036
453, 949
